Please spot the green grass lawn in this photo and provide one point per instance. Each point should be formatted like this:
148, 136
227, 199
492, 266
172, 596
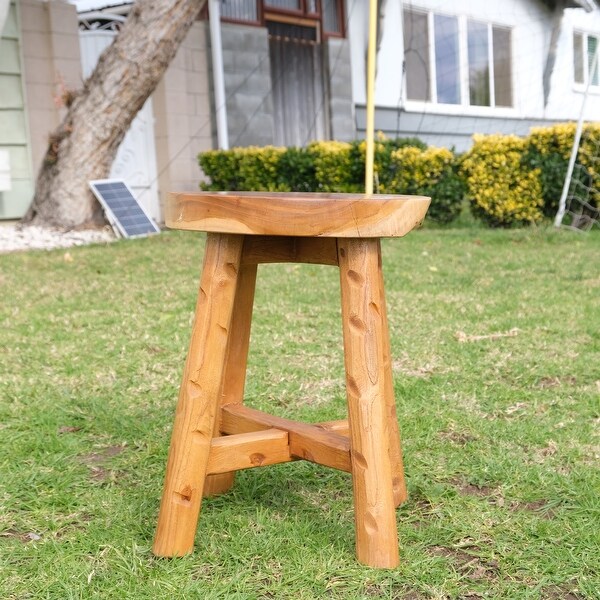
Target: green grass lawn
496, 349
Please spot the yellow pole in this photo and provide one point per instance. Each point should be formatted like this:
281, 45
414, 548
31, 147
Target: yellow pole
371, 54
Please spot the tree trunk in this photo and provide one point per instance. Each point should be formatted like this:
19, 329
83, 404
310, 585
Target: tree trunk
84, 145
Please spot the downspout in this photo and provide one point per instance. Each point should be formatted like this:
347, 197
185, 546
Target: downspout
214, 14
380, 22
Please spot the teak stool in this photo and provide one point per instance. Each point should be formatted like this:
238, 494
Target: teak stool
214, 434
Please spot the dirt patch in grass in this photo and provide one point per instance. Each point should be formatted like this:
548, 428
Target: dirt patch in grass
542, 508
68, 429
22, 536
465, 488
559, 592
97, 458
554, 382
468, 565
460, 438
96, 461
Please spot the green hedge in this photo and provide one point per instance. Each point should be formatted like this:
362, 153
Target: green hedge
401, 167
549, 149
508, 180
502, 191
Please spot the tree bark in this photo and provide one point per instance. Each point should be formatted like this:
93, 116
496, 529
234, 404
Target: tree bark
84, 145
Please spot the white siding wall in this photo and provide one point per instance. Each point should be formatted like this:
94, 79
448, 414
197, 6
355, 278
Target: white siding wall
566, 97
531, 23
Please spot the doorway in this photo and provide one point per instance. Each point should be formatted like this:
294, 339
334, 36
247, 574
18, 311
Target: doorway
299, 95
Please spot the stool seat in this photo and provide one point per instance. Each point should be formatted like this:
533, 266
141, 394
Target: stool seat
214, 433
297, 214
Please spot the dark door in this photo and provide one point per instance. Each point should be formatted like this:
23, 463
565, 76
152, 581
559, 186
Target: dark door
299, 100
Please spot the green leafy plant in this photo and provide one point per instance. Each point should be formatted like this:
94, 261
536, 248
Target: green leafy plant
503, 191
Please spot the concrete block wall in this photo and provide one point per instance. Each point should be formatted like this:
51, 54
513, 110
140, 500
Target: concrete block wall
182, 116
52, 64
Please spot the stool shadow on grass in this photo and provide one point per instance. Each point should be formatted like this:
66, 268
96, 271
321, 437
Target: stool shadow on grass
303, 496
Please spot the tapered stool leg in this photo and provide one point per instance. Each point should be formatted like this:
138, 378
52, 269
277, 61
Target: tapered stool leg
198, 397
368, 412
398, 480
234, 375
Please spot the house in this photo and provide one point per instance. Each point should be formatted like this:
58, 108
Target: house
285, 72
486, 67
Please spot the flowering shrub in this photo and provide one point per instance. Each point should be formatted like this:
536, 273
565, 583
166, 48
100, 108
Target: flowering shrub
428, 172
327, 166
549, 149
222, 168
503, 191
334, 167
589, 157
508, 180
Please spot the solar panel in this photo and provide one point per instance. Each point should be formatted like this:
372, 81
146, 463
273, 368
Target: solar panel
124, 213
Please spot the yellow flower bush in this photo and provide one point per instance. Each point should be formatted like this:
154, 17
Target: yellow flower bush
502, 190
508, 180
428, 172
556, 139
589, 156
258, 167
417, 169
549, 149
334, 166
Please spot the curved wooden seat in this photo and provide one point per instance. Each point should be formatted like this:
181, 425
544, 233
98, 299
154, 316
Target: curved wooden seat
297, 214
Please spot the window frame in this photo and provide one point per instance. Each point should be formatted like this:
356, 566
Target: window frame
265, 12
581, 86
464, 105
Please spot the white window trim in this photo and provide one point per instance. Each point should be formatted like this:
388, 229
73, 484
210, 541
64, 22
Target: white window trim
582, 87
460, 109
464, 107
491, 65
432, 65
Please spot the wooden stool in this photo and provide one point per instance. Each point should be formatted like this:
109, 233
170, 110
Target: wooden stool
214, 434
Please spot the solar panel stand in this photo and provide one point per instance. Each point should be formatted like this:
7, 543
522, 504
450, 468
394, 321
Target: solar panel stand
126, 215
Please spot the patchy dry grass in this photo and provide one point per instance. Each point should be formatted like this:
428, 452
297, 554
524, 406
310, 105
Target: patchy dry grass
496, 349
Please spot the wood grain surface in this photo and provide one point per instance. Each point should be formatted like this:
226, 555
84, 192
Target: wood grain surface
296, 214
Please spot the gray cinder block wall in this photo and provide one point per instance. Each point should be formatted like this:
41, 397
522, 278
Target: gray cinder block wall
182, 116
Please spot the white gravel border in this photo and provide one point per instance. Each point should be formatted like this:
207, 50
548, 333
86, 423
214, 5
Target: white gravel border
15, 238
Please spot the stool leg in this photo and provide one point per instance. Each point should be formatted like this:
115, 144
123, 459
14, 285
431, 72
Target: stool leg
198, 398
234, 376
398, 481
363, 327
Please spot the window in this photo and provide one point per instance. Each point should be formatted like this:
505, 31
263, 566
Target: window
447, 63
501, 43
239, 10
585, 45
416, 56
328, 13
479, 66
285, 4
455, 60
